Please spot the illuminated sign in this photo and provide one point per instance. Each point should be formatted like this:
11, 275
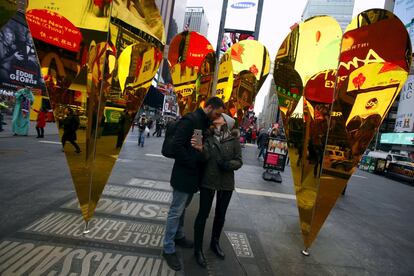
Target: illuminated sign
397, 138
243, 5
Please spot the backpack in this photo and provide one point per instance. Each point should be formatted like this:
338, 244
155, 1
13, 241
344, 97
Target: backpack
167, 146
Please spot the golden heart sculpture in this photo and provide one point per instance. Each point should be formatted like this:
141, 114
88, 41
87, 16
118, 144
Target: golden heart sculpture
343, 101
98, 62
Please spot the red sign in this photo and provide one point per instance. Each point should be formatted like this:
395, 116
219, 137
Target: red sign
54, 29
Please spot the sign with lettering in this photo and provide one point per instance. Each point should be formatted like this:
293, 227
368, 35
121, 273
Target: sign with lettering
20, 257
138, 193
126, 208
105, 230
276, 154
240, 244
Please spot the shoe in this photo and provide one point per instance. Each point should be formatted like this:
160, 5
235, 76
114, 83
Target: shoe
172, 260
200, 258
184, 243
38, 137
77, 151
215, 247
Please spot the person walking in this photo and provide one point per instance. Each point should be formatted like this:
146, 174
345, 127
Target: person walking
70, 126
222, 152
142, 125
262, 142
40, 122
186, 174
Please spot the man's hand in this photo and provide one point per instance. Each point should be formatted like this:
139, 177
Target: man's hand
195, 145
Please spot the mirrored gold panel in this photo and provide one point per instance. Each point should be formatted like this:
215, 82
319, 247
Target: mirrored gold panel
8, 8
95, 92
305, 63
192, 62
250, 65
371, 73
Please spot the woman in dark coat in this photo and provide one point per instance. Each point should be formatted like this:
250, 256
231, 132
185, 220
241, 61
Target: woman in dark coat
70, 126
222, 154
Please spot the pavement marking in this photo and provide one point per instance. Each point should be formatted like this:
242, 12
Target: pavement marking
265, 193
360, 176
155, 155
50, 142
240, 244
124, 160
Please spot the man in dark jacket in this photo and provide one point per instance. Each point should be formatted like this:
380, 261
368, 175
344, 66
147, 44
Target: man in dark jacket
262, 141
186, 174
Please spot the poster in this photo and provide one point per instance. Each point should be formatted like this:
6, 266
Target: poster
19, 65
276, 154
170, 107
405, 119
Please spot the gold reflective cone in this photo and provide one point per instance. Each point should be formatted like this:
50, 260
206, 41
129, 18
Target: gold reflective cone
92, 112
304, 63
370, 75
192, 61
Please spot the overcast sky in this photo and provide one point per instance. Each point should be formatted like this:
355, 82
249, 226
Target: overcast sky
277, 17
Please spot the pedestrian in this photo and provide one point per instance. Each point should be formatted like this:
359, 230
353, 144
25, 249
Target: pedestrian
70, 126
149, 125
21, 112
142, 125
222, 153
262, 142
40, 122
186, 174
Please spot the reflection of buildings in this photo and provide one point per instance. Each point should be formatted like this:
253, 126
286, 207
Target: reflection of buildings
172, 12
270, 107
341, 10
196, 20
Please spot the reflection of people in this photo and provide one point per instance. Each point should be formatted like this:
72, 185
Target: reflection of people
222, 152
40, 122
8, 51
124, 123
21, 112
70, 126
142, 125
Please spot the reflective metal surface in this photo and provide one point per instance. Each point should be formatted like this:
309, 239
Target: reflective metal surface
342, 108
242, 71
95, 93
305, 66
192, 62
371, 73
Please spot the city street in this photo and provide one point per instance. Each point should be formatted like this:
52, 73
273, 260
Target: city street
370, 231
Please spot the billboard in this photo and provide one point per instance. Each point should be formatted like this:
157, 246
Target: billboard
397, 138
404, 9
241, 15
405, 119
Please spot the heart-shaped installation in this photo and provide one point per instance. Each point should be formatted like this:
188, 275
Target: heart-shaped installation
192, 61
369, 77
95, 95
373, 67
242, 71
305, 64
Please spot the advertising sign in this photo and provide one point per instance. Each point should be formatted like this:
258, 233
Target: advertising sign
397, 138
19, 64
276, 154
170, 106
405, 119
241, 15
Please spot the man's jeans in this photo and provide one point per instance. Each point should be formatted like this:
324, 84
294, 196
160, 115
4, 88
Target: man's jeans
175, 220
141, 138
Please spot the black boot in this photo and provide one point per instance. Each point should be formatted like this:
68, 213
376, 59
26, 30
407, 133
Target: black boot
200, 258
215, 247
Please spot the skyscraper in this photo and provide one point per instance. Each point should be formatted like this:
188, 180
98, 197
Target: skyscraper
341, 10
196, 20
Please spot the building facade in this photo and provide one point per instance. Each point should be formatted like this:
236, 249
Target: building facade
196, 20
341, 10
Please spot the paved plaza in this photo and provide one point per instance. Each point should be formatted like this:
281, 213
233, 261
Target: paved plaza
370, 231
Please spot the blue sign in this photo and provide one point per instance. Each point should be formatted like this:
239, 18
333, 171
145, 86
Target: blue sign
243, 5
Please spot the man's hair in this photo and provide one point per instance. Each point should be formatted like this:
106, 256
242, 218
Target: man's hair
215, 102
